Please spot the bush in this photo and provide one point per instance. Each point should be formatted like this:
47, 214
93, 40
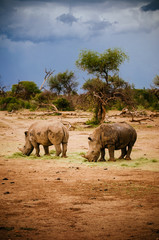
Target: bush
25, 90
12, 104
44, 97
93, 122
63, 104
9, 104
146, 98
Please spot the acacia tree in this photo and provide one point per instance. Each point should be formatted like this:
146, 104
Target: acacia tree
106, 86
25, 89
63, 83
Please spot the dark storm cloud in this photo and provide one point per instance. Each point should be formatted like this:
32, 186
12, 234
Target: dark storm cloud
152, 6
22, 20
67, 18
72, 2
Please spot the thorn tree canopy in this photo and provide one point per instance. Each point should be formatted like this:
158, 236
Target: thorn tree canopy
101, 64
107, 86
63, 83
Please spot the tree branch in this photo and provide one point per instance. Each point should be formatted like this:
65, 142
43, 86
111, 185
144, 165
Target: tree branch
47, 75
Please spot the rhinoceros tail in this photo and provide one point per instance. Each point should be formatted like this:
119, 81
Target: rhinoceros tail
65, 135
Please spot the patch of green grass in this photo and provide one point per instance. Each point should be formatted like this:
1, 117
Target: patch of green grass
142, 163
17, 155
92, 122
33, 156
76, 157
52, 151
124, 165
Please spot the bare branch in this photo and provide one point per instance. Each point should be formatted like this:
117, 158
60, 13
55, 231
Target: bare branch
50, 105
47, 75
105, 100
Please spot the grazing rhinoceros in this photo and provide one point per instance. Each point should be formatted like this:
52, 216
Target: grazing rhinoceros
46, 133
112, 136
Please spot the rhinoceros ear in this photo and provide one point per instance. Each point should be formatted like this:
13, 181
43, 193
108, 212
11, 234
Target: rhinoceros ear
26, 133
89, 138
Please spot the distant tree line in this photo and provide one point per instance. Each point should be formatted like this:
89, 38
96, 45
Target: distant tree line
103, 91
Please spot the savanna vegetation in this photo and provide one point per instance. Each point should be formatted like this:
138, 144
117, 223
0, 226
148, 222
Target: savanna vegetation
104, 89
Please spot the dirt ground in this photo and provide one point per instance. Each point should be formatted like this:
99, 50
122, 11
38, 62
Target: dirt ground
70, 199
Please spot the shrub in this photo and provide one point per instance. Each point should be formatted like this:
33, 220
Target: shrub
44, 97
25, 89
9, 104
12, 104
63, 104
146, 99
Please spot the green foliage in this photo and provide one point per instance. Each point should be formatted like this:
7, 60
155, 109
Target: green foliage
93, 122
25, 90
118, 105
146, 99
101, 64
156, 80
12, 104
63, 83
63, 104
44, 97
113, 87
94, 85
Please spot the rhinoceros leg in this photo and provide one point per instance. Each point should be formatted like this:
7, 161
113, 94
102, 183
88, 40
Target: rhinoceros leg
111, 149
46, 149
123, 153
64, 149
128, 152
102, 158
58, 149
36, 146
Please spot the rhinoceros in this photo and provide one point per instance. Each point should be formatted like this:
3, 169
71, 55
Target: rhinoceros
114, 137
46, 133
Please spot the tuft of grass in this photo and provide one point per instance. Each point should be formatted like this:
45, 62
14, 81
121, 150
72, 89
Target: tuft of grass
154, 161
17, 155
124, 165
52, 151
149, 126
92, 122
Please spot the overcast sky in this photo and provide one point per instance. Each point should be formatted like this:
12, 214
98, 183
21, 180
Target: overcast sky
35, 35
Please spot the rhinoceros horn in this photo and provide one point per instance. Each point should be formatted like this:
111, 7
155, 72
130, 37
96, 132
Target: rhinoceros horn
20, 149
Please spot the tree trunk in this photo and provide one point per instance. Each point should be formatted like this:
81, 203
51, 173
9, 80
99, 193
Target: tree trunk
101, 112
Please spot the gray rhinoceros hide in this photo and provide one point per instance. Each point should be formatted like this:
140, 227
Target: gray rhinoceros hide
113, 137
46, 133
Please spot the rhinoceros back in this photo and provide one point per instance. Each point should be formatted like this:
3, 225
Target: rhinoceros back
126, 135
118, 134
47, 132
58, 133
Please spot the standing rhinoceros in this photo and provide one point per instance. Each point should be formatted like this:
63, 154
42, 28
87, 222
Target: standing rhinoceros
46, 133
112, 136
